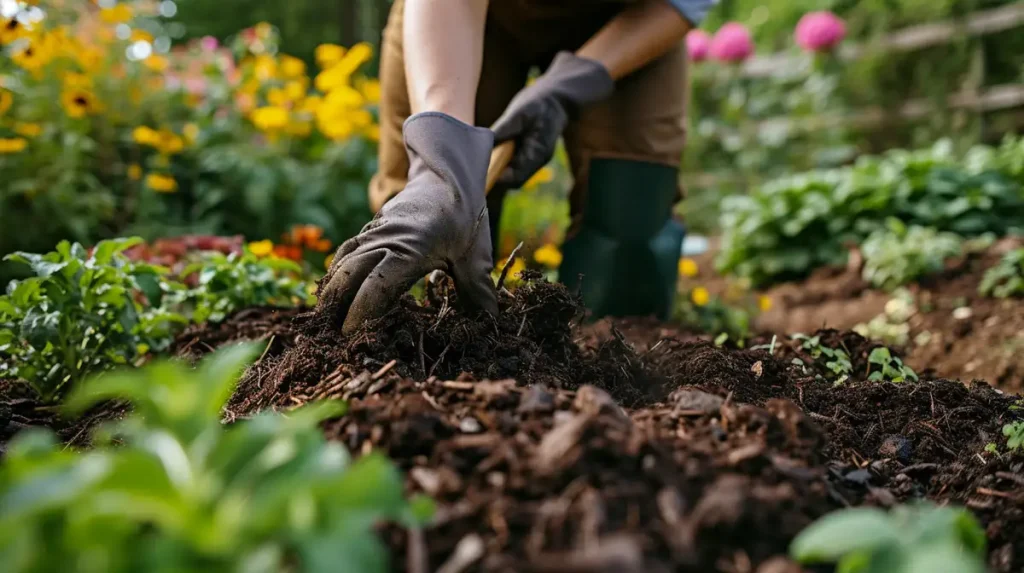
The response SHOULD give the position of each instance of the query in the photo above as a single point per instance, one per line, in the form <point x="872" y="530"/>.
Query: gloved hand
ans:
<point x="537" y="115"/>
<point x="439" y="221"/>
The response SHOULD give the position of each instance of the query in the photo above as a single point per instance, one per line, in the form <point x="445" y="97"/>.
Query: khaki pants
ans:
<point x="644" y="120"/>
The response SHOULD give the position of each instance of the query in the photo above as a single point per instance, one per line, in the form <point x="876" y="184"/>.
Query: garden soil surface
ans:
<point x="954" y="331"/>
<point x="619" y="447"/>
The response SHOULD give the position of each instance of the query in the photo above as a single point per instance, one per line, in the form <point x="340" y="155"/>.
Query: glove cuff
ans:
<point x="455" y="151"/>
<point x="577" y="80"/>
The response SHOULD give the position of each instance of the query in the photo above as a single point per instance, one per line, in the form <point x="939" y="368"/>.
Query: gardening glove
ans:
<point x="537" y="115"/>
<point x="439" y="221"/>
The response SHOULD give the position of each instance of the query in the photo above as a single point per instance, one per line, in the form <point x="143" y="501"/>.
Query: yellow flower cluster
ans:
<point x="165" y="141"/>
<point x="12" y="145"/>
<point x="277" y="97"/>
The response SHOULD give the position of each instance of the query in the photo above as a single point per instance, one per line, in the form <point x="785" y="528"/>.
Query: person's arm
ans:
<point x="444" y="53"/>
<point x="637" y="36"/>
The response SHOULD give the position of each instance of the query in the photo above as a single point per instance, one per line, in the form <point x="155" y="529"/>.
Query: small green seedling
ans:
<point x="836" y="360"/>
<point x="889" y="367"/>
<point x="1014" y="435"/>
<point x="1006" y="278"/>
<point x="908" y="539"/>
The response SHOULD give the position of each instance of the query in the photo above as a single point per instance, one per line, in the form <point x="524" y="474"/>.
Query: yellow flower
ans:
<point x="548" y="255"/>
<point x="144" y="135"/>
<point x="191" y="132"/>
<point x="295" y="90"/>
<point x="13" y="145"/>
<point x="261" y="248"/>
<point x="518" y="266"/>
<point x="6" y="100"/>
<point x="156" y="63"/>
<point x="372" y="133"/>
<point x="543" y="175"/>
<point x="700" y="296"/>
<point x="270" y="118"/>
<point x="117" y="14"/>
<point x="73" y="80"/>
<point x="265" y="68"/>
<point x="299" y="128"/>
<point x="141" y="36"/>
<point x="328" y="260"/>
<point x="35" y="55"/>
<point x="292" y="67"/>
<point x="169" y="143"/>
<point x="329" y="54"/>
<point x="277" y="97"/>
<point x="688" y="267"/>
<point x="263" y="30"/>
<point x="134" y="172"/>
<point x="764" y="303"/>
<point x="370" y="88"/>
<point x="161" y="183"/>
<point x="28" y="129"/>
<point x="79" y="102"/>
<point x="10" y="30"/>
<point x="311" y="104"/>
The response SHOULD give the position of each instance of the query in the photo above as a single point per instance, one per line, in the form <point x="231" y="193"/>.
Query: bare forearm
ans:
<point x="637" y="36"/>
<point x="443" y="70"/>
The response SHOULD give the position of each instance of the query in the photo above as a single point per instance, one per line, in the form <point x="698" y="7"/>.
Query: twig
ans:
<point x="508" y="265"/>
<point x="384" y="370"/>
<point x="266" y="350"/>
<point x="423" y="356"/>
<point x="994" y="492"/>
<point x="417" y="555"/>
<point x="439" y="359"/>
<point x="1015" y="478"/>
<point x="522" y="325"/>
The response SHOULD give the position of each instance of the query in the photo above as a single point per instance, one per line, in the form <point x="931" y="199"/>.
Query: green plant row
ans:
<point x="85" y="311"/>
<point x="171" y="488"/>
<point x="1006" y="278"/>
<point x="790" y="226"/>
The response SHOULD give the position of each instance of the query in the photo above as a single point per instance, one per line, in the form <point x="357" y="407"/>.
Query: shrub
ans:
<point x="898" y="254"/>
<point x="1006" y="278"/>
<point x="919" y="537"/>
<point x="790" y="226"/>
<point x="171" y="488"/>
<point x="82" y="312"/>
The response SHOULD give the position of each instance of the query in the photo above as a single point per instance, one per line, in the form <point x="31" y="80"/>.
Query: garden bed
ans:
<point x="546" y="454"/>
<point x="953" y="330"/>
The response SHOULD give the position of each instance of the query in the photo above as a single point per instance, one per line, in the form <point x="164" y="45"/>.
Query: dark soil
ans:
<point x="984" y="342"/>
<point x="20" y="410"/>
<point x="551" y="448"/>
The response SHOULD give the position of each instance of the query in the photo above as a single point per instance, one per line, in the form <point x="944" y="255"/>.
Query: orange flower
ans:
<point x="288" y="252"/>
<point x="306" y="235"/>
<point x="321" y="246"/>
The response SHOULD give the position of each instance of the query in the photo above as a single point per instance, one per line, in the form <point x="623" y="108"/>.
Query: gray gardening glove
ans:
<point x="537" y="115"/>
<point x="439" y="221"/>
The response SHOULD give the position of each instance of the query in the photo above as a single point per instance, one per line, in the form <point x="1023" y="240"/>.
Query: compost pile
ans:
<point x="554" y="447"/>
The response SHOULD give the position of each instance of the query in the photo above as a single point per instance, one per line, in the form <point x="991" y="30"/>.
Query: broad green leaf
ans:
<point x="52" y="487"/>
<point x="942" y="557"/>
<point x="843" y="532"/>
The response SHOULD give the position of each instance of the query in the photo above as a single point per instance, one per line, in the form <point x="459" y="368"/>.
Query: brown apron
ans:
<point x="644" y="120"/>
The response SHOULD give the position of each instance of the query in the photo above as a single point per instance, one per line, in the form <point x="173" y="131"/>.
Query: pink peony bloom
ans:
<point x="819" y="31"/>
<point x="209" y="43"/>
<point x="697" y="44"/>
<point x="731" y="43"/>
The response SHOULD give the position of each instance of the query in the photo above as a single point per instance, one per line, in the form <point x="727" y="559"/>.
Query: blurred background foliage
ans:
<point x="236" y="177"/>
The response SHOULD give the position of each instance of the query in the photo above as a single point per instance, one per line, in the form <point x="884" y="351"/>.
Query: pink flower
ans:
<point x="209" y="43"/>
<point x="731" y="43"/>
<point x="819" y="31"/>
<point x="697" y="44"/>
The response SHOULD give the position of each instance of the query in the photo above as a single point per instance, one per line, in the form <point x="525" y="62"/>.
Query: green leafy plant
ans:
<point x="908" y="539"/>
<point x="898" y="254"/>
<point x="790" y="226"/>
<point x="1006" y="278"/>
<point x="171" y="488"/>
<point x="81" y="312"/>
<point x="226" y="283"/>
<point x="836" y="360"/>
<point x="890" y="368"/>
<point x="891" y="327"/>
<point x="1014" y="435"/>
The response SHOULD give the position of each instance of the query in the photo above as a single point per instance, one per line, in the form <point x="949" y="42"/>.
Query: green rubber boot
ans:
<point x="628" y="245"/>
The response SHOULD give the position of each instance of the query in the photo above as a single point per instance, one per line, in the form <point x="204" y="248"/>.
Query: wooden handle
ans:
<point x="500" y="157"/>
